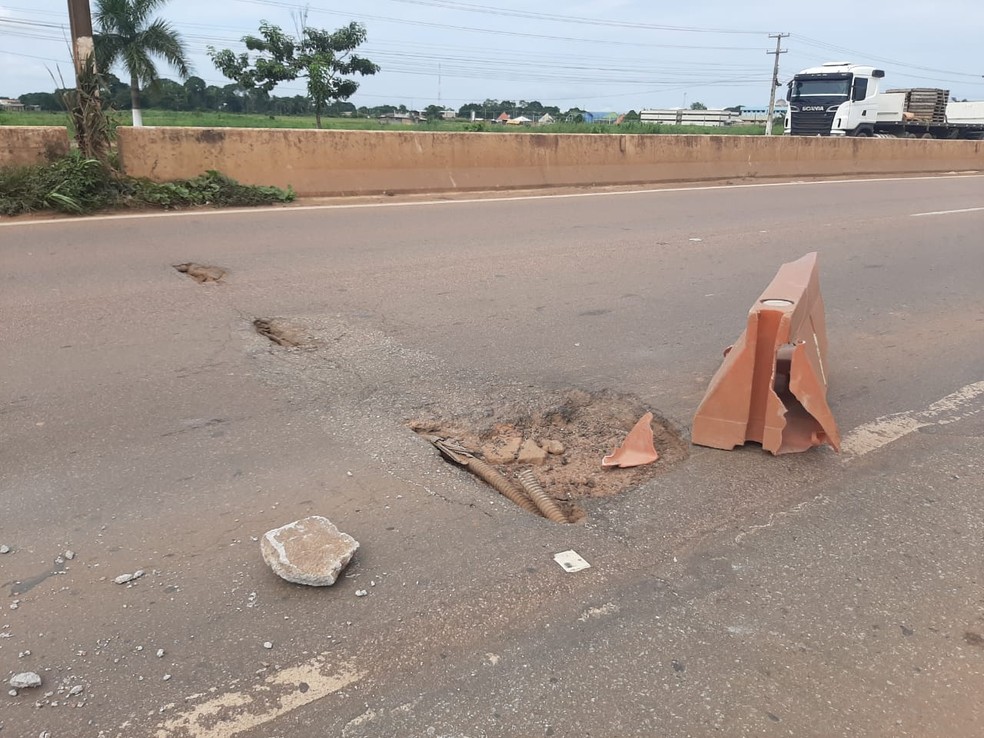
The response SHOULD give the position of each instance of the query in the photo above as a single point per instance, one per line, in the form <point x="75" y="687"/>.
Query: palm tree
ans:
<point x="126" y="34"/>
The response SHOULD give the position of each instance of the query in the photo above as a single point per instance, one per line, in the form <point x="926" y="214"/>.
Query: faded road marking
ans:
<point x="947" y="212"/>
<point x="75" y="222"/>
<point x="230" y="714"/>
<point x="961" y="404"/>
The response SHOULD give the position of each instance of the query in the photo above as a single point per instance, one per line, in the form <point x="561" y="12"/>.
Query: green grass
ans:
<point x="250" y="120"/>
<point x="77" y="185"/>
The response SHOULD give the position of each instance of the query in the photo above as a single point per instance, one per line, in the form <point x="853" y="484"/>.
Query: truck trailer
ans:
<point x="844" y="99"/>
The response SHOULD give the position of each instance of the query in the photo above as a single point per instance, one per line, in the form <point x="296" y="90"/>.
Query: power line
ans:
<point x="491" y="31"/>
<point x="553" y="17"/>
<point x="867" y="56"/>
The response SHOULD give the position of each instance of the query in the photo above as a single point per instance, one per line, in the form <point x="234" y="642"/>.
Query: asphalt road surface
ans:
<point x="144" y="424"/>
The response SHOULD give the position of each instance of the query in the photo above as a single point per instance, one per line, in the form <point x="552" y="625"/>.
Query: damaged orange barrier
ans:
<point x="637" y="448"/>
<point x="772" y="386"/>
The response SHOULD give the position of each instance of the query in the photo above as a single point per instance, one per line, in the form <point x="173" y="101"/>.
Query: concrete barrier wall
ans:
<point x="360" y="162"/>
<point x="21" y="145"/>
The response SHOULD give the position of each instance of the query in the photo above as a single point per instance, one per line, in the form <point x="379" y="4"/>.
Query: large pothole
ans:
<point x="562" y="444"/>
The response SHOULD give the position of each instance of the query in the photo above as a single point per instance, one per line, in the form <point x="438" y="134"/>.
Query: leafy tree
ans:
<point x="466" y="110"/>
<point x="631" y="116"/>
<point x="434" y="112"/>
<point x="195" y="93"/>
<point x="698" y="106"/>
<point x="321" y="57"/>
<point x="166" y="94"/>
<point x="44" y="100"/>
<point x="127" y="35"/>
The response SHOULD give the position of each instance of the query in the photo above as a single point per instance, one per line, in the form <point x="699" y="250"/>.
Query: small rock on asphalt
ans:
<point x="160" y="653"/>
<point x="502" y="451"/>
<point x="70" y="554"/>
<point x="309" y="551"/>
<point x="4" y="549"/>
<point x="267" y="645"/>
<point x="76" y="690"/>
<point x="554" y="447"/>
<point x="124" y="578"/>
<point x="531" y="453"/>
<point x="25" y="680"/>
<point x="360" y="593"/>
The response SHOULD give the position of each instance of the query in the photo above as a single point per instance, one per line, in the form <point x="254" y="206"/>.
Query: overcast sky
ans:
<point x="604" y="55"/>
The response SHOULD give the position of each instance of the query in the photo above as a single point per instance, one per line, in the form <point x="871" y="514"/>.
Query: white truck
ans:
<point x="844" y="99"/>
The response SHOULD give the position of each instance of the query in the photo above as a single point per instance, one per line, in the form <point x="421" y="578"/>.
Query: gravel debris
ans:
<point x="160" y="653"/>
<point x="25" y="680"/>
<point x="69" y="554"/>
<point x="267" y="645"/>
<point x="125" y="578"/>
<point x="4" y="549"/>
<point x="361" y="593"/>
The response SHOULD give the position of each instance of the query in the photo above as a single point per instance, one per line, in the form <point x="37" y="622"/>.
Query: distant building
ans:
<point x="685" y="117"/>
<point x="602" y="117"/>
<point x="546" y="119"/>
<point x="401" y="119"/>
<point x="761" y="114"/>
<point x="503" y="118"/>
<point x="449" y="114"/>
<point x="10" y="105"/>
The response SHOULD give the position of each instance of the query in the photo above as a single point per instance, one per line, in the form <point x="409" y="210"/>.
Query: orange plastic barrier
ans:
<point x="772" y="386"/>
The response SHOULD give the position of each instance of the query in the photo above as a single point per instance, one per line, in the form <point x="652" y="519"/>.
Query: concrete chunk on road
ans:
<point x="309" y="551"/>
<point x="25" y="680"/>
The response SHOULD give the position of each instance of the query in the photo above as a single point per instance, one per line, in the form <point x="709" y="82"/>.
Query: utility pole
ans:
<point x="775" y="79"/>
<point x="80" y="22"/>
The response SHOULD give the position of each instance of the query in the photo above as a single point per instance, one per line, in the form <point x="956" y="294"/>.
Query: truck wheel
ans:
<point x="927" y="135"/>
<point x="863" y="133"/>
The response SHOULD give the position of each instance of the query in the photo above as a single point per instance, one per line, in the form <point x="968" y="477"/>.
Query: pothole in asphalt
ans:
<point x="201" y="273"/>
<point x="283" y="332"/>
<point x="560" y="446"/>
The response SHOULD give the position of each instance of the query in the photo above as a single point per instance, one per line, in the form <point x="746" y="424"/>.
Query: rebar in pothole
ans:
<point x="546" y="505"/>
<point x="501" y="484"/>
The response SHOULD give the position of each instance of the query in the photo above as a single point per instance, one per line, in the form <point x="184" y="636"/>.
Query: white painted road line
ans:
<point x="234" y="712"/>
<point x="947" y="212"/>
<point x="654" y="190"/>
<point x="963" y="403"/>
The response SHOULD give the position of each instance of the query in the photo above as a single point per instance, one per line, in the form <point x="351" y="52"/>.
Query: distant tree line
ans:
<point x="194" y="94"/>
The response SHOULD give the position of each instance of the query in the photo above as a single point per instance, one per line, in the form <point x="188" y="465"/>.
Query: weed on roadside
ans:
<point x="77" y="185"/>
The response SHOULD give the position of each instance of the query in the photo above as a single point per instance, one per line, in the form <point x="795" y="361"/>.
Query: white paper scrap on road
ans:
<point x="571" y="561"/>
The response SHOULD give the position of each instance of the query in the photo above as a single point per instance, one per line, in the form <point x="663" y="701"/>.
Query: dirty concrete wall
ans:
<point x="354" y="162"/>
<point x="20" y="145"/>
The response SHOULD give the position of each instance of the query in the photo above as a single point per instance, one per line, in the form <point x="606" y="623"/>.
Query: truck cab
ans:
<point x="836" y="99"/>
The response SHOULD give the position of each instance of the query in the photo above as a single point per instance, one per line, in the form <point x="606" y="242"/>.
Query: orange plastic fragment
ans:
<point x="772" y="386"/>
<point x="637" y="448"/>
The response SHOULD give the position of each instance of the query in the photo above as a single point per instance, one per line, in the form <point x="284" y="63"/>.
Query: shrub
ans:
<point x="76" y="184"/>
